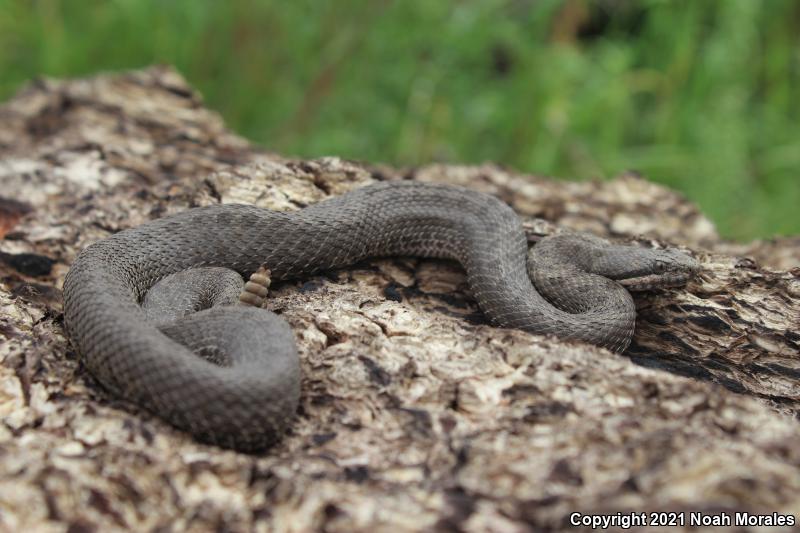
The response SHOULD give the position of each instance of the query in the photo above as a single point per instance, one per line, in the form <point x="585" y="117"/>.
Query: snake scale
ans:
<point x="229" y="374"/>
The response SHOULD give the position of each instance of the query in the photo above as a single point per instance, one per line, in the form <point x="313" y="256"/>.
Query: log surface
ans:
<point x="415" y="413"/>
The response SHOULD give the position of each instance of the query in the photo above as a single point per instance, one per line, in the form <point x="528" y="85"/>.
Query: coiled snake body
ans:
<point x="230" y="375"/>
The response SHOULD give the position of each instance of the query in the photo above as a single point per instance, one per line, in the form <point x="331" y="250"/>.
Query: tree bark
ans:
<point x="415" y="413"/>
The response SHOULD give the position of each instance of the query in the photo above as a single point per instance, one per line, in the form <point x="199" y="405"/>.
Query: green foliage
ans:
<point x="700" y="95"/>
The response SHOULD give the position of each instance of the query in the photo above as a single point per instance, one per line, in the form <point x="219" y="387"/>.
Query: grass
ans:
<point x="702" y="96"/>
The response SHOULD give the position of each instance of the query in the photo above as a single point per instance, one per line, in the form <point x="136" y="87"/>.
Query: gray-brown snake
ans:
<point x="229" y="374"/>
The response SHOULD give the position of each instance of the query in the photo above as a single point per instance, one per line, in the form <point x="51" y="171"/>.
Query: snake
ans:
<point x="155" y="315"/>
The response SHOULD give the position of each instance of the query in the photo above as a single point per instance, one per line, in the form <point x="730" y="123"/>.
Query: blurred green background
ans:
<point x="700" y="95"/>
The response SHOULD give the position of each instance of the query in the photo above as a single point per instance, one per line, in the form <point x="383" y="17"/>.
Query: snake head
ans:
<point x="653" y="269"/>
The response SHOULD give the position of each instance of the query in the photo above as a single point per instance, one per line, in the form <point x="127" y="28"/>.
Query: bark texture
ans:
<point x="415" y="414"/>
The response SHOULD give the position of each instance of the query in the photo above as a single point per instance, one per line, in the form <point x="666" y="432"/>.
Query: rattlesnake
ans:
<point x="243" y="388"/>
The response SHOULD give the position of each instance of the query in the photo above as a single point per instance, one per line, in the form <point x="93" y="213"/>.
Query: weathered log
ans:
<point x="416" y="414"/>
